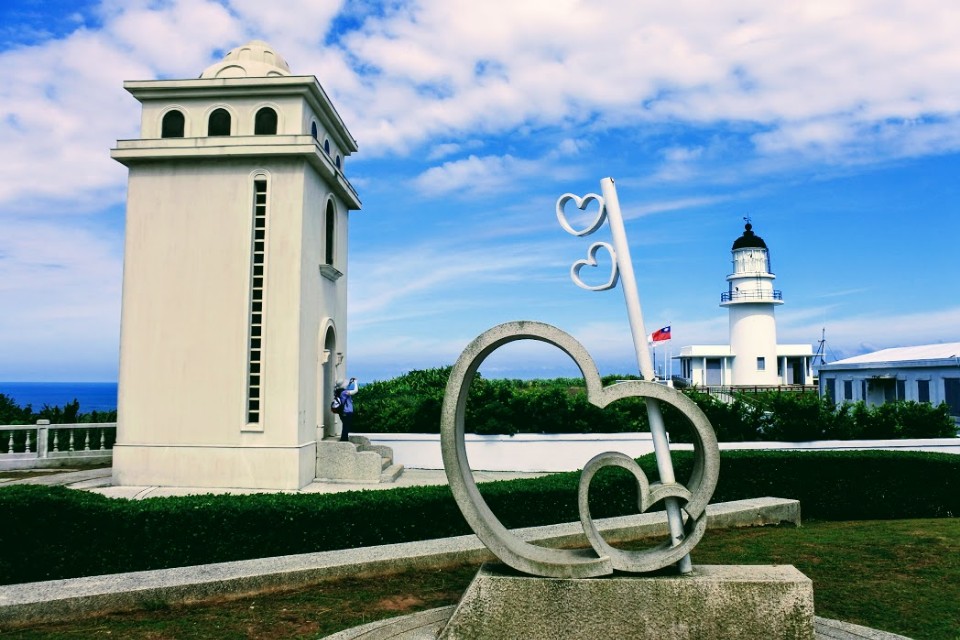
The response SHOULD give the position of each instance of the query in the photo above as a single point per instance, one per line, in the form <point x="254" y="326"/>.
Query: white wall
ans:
<point x="753" y="334"/>
<point x="543" y="452"/>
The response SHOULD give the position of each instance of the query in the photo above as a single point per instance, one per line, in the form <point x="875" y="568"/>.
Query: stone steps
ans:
<point x="355" y="461"/>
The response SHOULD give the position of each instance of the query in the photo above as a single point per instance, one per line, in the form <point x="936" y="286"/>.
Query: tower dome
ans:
<point x="256" y="59"/>
<point x="749" y="239"/>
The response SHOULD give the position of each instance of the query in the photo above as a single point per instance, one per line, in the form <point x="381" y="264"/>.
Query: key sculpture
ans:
<point x="685" y="504"/>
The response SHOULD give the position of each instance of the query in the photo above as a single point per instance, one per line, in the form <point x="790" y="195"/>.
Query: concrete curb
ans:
<point x="61" y="600"/>
<point x="427" y="625"/>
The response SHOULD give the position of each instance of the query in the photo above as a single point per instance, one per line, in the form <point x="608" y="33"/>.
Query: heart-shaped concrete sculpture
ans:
<point x="591" y="261"/>
<point x="602" y="559"/>
<point x="582" y="205"/>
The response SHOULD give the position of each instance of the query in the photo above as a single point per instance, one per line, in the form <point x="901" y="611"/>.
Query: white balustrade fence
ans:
<point x="46" y="445"/>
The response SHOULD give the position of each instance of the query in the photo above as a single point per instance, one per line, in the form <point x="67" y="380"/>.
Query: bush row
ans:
<point x="55" y="532"/>
<point x="12" y="413"/>
<point x="411" y="404"/>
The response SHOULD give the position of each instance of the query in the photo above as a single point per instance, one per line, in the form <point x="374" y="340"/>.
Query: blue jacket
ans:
<point x="346" y="397"/>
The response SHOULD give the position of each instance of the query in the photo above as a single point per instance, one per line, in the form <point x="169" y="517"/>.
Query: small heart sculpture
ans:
<point x="582" y="205"/>
<point x="591" y="261"/>
<point x="602" y="559"/>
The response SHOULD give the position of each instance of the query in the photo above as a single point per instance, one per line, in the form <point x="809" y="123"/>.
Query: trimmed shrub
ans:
<point x="54" y="532"/>
<point x="412" y="404"/>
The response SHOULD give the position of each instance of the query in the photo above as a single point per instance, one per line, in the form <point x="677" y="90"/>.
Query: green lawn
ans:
<point x="897" y="575"/>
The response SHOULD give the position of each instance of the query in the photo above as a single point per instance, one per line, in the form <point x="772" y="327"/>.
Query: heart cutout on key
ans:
<point x="591" y="261"/>
<point x="602" y="559"/>
<point x="582" y="204"/>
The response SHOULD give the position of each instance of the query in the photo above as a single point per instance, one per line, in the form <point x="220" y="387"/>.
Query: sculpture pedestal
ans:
<point x="714" y="601"/>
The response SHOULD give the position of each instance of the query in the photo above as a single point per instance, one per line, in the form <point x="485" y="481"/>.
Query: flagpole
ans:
<point x="661" y="445"/>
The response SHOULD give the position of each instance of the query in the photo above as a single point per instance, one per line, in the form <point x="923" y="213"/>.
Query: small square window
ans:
<point x="761" y="364"/>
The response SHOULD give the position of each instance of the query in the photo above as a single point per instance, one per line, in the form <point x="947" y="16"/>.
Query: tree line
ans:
<point x="12" y="413"/>
<point x="411" y="403"/>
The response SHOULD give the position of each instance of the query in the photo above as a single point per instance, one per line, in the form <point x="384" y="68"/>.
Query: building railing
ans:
<point x="751" y="296"/>
<point x="783" y="388"/>
<point x="51" y="445"/>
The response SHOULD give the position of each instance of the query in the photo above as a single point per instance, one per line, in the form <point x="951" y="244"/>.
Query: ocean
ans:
<point x="93" y="396"/>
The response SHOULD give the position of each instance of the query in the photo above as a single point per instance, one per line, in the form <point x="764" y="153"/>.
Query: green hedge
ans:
<point x="55" y="532"/>
<point x="411" y="403"/>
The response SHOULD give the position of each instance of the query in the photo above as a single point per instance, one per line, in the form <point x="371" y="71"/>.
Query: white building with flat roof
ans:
<point x="753" y="357"/>
<point x="924" y="373"/>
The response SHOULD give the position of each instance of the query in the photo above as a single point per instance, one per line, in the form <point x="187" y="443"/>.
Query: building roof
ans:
<point x="749" y="240"/>
<point x="705" y="350"/>
<point x="941" y="354"/>
<point x="256" y="59"/>
<point x="723" y="351"/>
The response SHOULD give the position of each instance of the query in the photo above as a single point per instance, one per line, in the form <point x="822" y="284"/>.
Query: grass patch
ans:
<point x="901" y="576"/>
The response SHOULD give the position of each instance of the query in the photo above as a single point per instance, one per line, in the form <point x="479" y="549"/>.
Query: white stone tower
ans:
<point x="750" y="298"/>
<point x="234" y="289"/>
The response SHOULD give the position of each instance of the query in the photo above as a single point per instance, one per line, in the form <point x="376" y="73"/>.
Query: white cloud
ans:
<point x="476" y="175"/>
<point x="840" y="82"/>
<point x="820" y="74"/>
<point x="412" y="280"/>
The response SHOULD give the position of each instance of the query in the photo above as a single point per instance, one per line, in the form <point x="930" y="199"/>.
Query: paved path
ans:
<point x="99" y="481"/>
<point x="61" y="477"/>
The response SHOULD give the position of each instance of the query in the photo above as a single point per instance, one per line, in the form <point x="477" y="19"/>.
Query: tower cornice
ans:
<point x="143" y="151"/>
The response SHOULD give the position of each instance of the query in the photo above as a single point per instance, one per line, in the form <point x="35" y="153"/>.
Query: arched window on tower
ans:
<point x="219" y="123"/>
<point x="313" y="130"/>
<point x="265" y="122"/>
<point x="338" y="163"/>
<point x="330" y="231"/>
<point x="326" y="146"/>
<point x="172" y="124"/>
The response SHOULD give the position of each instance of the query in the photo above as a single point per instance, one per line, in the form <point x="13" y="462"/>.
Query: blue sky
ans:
<point x="834" y="125"/>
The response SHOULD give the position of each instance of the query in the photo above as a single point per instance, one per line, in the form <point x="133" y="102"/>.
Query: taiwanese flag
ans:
<point x="660" y="335"/>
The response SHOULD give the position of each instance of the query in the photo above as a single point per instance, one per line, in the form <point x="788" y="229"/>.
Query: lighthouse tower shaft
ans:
<point x="751" y="300"/>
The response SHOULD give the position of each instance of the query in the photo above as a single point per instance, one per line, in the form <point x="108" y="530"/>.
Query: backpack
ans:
<point x="336" y="405"/>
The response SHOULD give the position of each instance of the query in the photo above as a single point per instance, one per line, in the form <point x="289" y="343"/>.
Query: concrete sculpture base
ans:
<point x="715" y="601"/>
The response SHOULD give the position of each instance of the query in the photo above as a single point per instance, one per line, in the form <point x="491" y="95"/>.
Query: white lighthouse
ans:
<point x="750" y="298"/>
<point x="234" y="288"/>
<point x="753" y="358"/>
